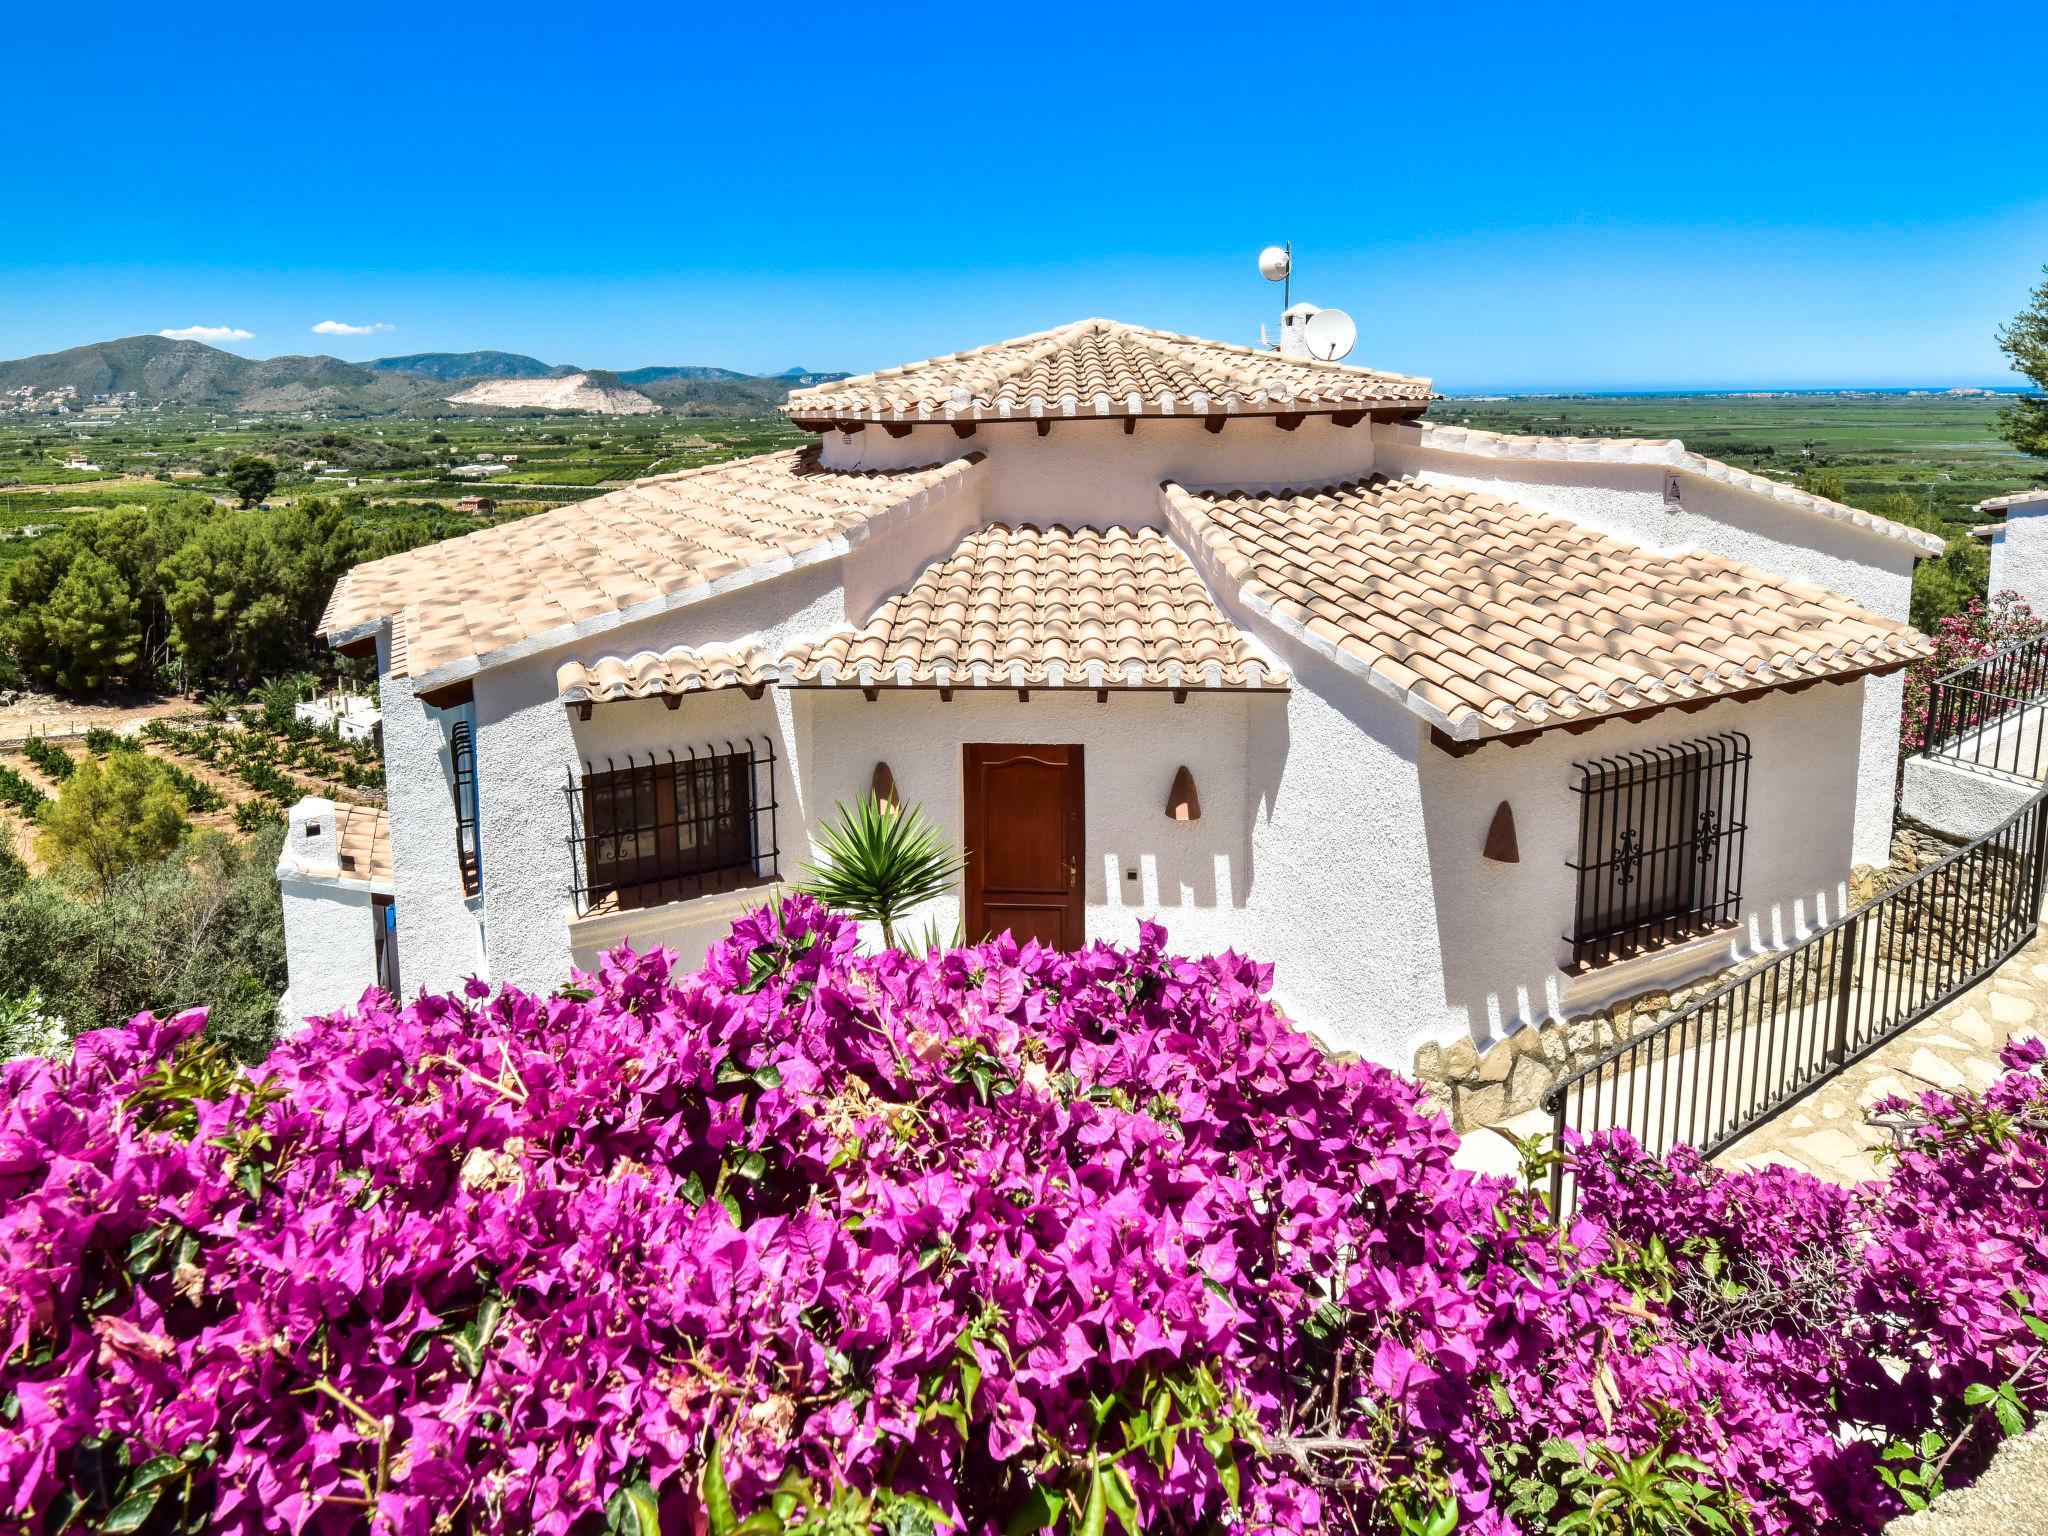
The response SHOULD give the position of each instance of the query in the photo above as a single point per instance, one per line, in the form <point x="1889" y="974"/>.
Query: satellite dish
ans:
<point x="1275" y="263"/>
<point x="1328" y="334"/>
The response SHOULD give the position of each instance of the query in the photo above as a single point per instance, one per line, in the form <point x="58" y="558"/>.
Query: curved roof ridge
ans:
<point x="1116" y="368"/>
<point x="1671" y="453"/>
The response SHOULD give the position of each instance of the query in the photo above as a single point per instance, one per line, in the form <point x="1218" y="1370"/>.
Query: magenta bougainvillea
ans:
<point x="995" y="1240"/>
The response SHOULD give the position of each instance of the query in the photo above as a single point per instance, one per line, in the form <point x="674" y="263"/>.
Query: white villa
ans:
<point x="2019" y="544"/>
<point x="1463" y="732"/>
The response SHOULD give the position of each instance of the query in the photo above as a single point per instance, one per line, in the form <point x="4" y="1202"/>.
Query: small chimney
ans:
<point x="1293" y="344"/>
<point x="312" y="842"/>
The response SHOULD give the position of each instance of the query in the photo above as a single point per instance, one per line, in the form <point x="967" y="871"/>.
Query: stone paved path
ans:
<point x="1825" y="1133"/>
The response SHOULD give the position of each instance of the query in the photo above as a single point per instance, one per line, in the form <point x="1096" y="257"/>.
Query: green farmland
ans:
<point x="1940" y="450"/>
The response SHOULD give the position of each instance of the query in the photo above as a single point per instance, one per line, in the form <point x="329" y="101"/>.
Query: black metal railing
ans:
<point x="462" y="771"/>
<point x="1660" y="846"/>
<point x="1712" y="1072"/>
<point x="672" y="827"/>
<point x="1990" y="713"/>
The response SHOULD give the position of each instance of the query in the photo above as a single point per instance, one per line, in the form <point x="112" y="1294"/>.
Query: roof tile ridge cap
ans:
<point x="1827" y="506"/>
<point x="1244" y="349"/>
<point x="898" y="370"/>
<point x="687" y="472"/>
<point x="1672" y="452"/>
<point x="1554" y="447"/>
<point x="1032" y="350"/>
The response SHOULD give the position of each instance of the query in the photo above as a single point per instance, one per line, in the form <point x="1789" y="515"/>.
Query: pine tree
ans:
<point x="91" y="634"/>
<point x="2024" y="423"/>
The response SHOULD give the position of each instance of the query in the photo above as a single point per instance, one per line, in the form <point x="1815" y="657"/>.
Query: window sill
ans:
<point x="1672" y="964"/>
<point x="610" y="924"/>
<point x="1649" y="949"/>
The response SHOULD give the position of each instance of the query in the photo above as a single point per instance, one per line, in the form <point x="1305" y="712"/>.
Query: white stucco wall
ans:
<point x="1504" y="929"/>
<point x="1089" y="471"/>
<point x="2019" y="555"/>
<point x="440" y="931"/>
<point x="330" y="940"/>
<point x="1627" y="501"/>
<point x="330" y="933"/>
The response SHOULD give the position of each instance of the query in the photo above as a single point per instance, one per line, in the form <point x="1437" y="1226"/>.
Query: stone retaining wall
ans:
<point x="1478" y="1088"/>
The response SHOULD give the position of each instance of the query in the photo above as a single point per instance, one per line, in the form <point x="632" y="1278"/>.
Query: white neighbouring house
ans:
<point x="2019" y="544"/>
<point x="1463" y="732"/>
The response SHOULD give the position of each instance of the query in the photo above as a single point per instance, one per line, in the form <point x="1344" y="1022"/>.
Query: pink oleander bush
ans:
<point x="1986" y="625"/>
<point x="993" y="1240"/>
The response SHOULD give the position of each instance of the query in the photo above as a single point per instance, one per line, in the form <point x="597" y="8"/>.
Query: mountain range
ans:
<point x="191" y="375"/>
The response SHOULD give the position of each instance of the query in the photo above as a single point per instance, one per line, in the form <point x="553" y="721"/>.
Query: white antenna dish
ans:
<point x="1275" y="262"/>
<point x="1329" y="335"/>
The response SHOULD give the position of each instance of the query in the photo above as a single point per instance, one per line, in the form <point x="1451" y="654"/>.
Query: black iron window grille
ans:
<point x="1660" y="846"/>
<point x="462" y="769"/>
<point x="671" y="828"/>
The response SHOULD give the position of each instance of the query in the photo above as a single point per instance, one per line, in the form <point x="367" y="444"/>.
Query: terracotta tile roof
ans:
<point x="1008" y="608"/>
<point x="1103" y="368"/>
<point x="650" y="674"/>
<point x="1667" y="452"/>
<point x="1048" y="607"/>
<point x="1487" y="618"/>
<point x="363" y="839"/>
<point x="583" y="568"/>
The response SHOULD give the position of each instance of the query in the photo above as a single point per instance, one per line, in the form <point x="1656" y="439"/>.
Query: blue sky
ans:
<point x="1503" y="196"/>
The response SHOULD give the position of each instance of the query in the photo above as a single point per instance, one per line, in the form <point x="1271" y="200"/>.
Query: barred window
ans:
<point x="462" y="766"/>
<point x="1660" y="846"/>
<point x="673" y="828"/>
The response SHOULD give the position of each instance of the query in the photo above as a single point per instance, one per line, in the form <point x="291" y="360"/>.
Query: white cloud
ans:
<point x="343" y="328"/>
<point x="208" y="333"/>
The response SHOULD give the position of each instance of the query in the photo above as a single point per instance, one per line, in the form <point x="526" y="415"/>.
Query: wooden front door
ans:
<point x="1023" y="834"/>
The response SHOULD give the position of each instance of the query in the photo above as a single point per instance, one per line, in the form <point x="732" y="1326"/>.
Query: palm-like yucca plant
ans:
<point x="879" y="862"/>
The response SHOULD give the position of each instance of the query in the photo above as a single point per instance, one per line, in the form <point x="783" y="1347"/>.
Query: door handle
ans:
<point x="1072" y="876"/>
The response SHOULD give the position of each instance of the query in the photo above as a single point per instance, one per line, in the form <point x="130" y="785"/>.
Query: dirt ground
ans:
<point x="29" y="713"/>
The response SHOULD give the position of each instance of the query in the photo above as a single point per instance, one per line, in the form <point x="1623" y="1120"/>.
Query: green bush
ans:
<point x="114" y="813"/>
<point x="56" y="764"/>
<point x="202" y="926"/>
<point x="20" y="793"/>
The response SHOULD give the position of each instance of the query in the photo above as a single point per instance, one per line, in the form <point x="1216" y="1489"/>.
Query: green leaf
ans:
<point x="2037" y="1326"/>
<point x="693" y="1190"/>
<point x="1039" y="1511"/>
<point x="769" y="1076"/>
<point x="717" y="1497"/>
<point x="1976" y="1394"/>
<point x="970" y="1379"/>
<point x="633" y="1512"/>
<point x="1093" y="1510"/>
<point x="1226" y="1473"/>
<point x="1122" y="1500"/>
<point x="731" y="1202"/>
<point x="575" y="994"/>
<point x="2010" y="1419"/>
<point x="152" y="1472"/>
<point x="129" y="1514"/>
<point x="751" y="1167"/>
